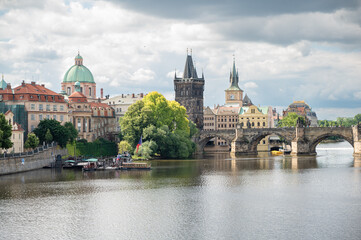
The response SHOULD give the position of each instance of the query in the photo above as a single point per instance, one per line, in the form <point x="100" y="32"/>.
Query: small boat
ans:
<point x="69" y="164"/>
<point x="135" y="166"/>
<point x="91" y="164"/>
<point x="275" y="152"/>
<point x="285" y="151"/>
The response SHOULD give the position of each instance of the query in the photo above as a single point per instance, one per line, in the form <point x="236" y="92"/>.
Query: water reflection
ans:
<point x="217" y="196"/>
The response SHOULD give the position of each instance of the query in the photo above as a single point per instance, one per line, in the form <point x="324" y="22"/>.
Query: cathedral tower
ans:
<point x="189" y="92"/>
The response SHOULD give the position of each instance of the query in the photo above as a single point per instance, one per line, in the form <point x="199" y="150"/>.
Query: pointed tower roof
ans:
<point x="3" y="84"/>
<point x="233" y="78"/>
<point x="189" y="69"/>
<point x="247" y="101"/>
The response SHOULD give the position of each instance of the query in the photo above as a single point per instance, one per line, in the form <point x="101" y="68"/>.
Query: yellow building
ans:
<point x="257" y="117"/>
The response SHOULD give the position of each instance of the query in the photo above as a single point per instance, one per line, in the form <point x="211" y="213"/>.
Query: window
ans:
<point x="32" y="106"/>
<point x="90" y="91"/>
<point x="47" y="107"/>
<point x="40" y="117"/>
<point x="68" y="91"/>
<point x="55" y="108"/>
<point x="32" y="117"/>
<point x="40" y="107"/>
<point x="32" y="127"/>
<point x="61" y="118"/>
<point x="253" y="110"/>
<point x="258" y="124"/>
<point x="47" y="116"/>
<point x="54" y="117"/>
<point x="61" y="107"/>
<point x="264" y="124"/>
<point x="79" y="124"/>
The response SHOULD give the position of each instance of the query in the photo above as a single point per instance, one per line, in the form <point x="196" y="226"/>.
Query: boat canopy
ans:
<point x="91" y="160"/>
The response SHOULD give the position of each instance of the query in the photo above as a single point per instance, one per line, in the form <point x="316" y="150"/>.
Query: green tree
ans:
<point x="161" y="121"/>
<point x="5" y="133"/>
<point x="32" y="141"/>
<point x="357" y="118"/>
<point x="48" y="136"/>
<point x="60" y="133"/>
<point x="73" y="133"/>
<point x="291" y="120"/>
<point x="124" y="146"/>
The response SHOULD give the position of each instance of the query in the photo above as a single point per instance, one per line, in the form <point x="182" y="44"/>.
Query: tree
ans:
<point x="73" y="133"/>
<point x="124" y="146"/>
<point x="32" y="141"/>
<point x="5" y="133"/>
<point x="161" y="121"/>
<point x="48" y="136"/>
<point x="291" y="120"/>
<point x="60" y="133"/>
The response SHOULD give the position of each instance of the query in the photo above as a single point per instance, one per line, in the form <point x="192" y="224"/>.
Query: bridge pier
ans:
<point x="300" y="146"/>
<point x="356" y="132"/>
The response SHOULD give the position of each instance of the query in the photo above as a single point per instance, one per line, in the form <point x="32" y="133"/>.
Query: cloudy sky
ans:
<point x="284" y="50"/>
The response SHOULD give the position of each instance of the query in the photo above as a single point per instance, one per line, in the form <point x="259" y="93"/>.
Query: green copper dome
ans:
<point x="78" y="72"/>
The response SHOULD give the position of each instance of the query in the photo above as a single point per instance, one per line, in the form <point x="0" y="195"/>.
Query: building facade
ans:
<point x="39" y="102"/>
<point x="92" y="119"/>
<point x="189" y="92"/>
<point x="303" y="109"/>
<point x="121" y="103"/>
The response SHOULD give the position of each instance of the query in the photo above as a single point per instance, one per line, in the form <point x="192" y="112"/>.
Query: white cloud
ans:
<point x="306" y="55"/>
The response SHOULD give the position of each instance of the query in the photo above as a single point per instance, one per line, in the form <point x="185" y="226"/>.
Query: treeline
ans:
<point x="341" y="122"/>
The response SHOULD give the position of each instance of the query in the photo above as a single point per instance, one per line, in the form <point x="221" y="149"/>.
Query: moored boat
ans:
<point x="135" y="166"/>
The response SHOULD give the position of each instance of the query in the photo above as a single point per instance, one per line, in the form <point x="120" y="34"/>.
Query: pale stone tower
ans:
<point x="189" y="92"/>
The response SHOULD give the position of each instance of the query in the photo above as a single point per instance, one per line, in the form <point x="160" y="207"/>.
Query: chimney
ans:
<point x="122" y="95"/>
<point x="8" y="86"/>
<point x="33" y="83"/>
<point x="43" y="85"/>
<point x="101" y="93"/>
<point x="141" y="95"/>
<point x="23" y="83"/>
<point x="133" y="95"/>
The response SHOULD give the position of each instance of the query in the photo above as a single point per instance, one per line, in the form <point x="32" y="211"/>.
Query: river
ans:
<point x="213" y="197"/>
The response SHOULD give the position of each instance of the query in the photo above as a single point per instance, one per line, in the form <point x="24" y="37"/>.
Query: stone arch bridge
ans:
<point x="302" y="139"/>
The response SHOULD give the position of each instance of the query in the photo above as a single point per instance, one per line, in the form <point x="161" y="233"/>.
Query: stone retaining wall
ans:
<point x="33" y="161"/>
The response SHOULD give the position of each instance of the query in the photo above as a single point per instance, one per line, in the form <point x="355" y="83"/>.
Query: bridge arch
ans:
<point x="206" y="136"/>
<point x="256" y="139"/>
<point x="317" y="140"/>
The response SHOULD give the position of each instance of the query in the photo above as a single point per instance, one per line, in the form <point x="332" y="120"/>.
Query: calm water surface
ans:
<point x="215" y="197"/>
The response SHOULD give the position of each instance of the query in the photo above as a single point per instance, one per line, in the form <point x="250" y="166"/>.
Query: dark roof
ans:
<point x="247" y="101"/>
<point x="189" y="70"/>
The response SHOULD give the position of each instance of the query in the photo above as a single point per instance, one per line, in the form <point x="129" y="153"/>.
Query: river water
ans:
<point x="214" y="197"/>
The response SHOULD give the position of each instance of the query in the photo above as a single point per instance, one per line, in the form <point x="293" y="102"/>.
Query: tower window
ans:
<point x="90" y="91"/>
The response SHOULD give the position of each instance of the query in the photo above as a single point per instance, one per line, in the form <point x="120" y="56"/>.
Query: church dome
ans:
<point x="78" y="72"/>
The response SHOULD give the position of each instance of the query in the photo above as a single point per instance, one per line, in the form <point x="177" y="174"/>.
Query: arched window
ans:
<point x="90" y="91"/>
<point x="258" y="124"/>
<point x="68" y="91"/>
<point x="253" y="124"/>
<point x="264" y="124"/>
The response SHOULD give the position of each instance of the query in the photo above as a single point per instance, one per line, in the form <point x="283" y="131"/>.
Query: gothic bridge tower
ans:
<point x="189" y="92"/>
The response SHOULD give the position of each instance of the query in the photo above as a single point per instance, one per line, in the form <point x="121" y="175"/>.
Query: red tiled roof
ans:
<point x="77" y="97"/>
<point x="95" y="104"/>
<point x="7" y="112"/>
<point x="34" y="89"/>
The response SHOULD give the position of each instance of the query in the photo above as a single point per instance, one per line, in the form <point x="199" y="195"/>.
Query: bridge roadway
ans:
<point x="303" y="140"/>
